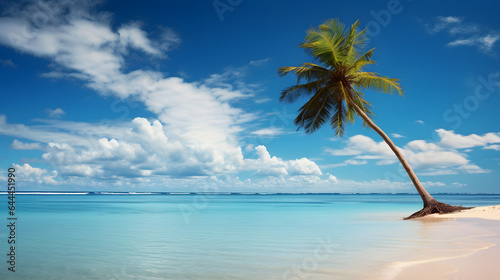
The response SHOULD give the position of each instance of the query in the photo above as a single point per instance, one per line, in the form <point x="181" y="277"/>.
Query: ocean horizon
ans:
<point x="233" y="193"/>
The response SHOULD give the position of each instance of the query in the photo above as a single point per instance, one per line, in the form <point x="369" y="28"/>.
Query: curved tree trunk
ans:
<point x="431" y="205"/>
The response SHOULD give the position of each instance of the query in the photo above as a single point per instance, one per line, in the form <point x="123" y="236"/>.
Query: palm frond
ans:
<point x="292" y="93"/>
<point x="361" y="38"/>
<point x="364" y="105"/>
<point x="362" y="61"/>
<point x="348" y="51"/>
<point x="308" y="72"/>
<point x="323" y="45"/>
<point x="334" y="26"/>
<point x="314" y="112"/>
<point x="367" y="80"/>
<point x="339" y="119"/>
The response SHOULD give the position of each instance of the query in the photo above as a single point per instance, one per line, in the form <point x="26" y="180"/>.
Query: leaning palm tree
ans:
<point x="334" y="85"/>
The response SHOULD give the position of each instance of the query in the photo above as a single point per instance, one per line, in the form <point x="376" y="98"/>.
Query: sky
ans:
<point x="184" y="96"/>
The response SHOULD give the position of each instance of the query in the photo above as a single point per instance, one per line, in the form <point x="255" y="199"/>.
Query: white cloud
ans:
<point x="27" y="170"/>
<point x="259" y="62"/>
<point x="262" y="100"/>
<point x="465" y="33"/>
<point x="18" y="145"/>
<point x="249" y="147"/>
<point x="230" y="85"/>
<point x="345" y="163"/>
<point x="395" y="135"/>
<point x="484" y="43"/>
<point x="81" y="170"/>
<point x="420" y="121"/>
<point x="492" y="147"/>
<point x="267" y="165"/>
<point x="42" y="134"/>
<point x="355" y="162"/>
<point x="303" y="166"/>
<point x="440" y="158"/>
<point x="37" y="175"/>
<point x="269" y="132"/>
<point x="141" y="148"/>
<point x="274" y="166"/>
<point x="129" y="149"/>
<point x="450" y="19"/>
<point x="435" y="159"/>
<point x="131" y="35"/>
<point x="323" y="183"/>
<point x="442" y="23"/>
<point x="472" y="169"/>
<point x="200" y="123"/>
<point x="168" y="39"/>
<point x="456" y="141"/>
<point x="332" y="178"/>
<point x="421" y="145"/>
<point x="359" y="144"/>
<point x="55" y="113"/>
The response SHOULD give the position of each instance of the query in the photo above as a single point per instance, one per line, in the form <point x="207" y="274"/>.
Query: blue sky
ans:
<point x="183" y="96"/>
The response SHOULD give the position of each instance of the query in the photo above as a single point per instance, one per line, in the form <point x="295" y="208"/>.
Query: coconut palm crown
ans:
<point x="334" y="84"/>
<point x="337" y="82"/>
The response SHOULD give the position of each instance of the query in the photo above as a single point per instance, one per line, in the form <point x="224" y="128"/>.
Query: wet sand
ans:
<point x="462" y="245"/>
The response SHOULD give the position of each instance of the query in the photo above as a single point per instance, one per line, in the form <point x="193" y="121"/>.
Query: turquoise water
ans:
<point x="212" y="236"/>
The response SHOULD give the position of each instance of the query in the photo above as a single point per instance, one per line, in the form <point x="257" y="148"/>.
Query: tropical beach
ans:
<point x="242" y="140"/>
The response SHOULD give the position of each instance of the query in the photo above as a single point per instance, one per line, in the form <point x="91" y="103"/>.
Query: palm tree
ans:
<point x="334" y="86"/>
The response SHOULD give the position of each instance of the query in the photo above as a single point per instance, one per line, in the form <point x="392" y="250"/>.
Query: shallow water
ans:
<point x="221" y="236"/>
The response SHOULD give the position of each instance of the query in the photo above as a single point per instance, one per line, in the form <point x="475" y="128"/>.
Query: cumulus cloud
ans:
<point x="359" y="145"/>
<point x="303" y="166"/>
<point x="141" y="149"/>
<point x="28" y="173"/>
<point x="492" y="147"/>
<point x="198" y="127"/>
<point x="444" y="157"/>
<point x="456" y="141"/>
<point x="267" y="165"/>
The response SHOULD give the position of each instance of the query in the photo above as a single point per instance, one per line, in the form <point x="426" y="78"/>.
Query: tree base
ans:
<point x="436" y="207"/>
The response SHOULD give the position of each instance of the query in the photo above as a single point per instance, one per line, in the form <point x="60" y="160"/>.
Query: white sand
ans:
<point x="486" y="212"/>
<point x="472" y="257"/>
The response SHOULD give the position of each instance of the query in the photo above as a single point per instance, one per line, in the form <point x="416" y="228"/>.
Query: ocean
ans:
<point x="223" y="236"/>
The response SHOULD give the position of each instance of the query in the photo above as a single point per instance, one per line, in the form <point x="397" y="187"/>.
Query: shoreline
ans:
<point x="460" y="245"/>
<point x="483" y="212"/>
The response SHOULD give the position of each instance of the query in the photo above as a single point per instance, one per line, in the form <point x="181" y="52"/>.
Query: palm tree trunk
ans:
<point x="426" y="197"/>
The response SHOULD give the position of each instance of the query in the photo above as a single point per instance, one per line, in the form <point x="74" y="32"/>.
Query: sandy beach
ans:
<point x="485" y="212"/>
<point x="462" y="245"/>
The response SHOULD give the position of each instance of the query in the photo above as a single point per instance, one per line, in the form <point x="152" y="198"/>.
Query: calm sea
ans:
<point x="120" y="236"/>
